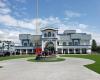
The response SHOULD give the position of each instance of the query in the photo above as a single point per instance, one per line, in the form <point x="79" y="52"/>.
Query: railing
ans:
<point x="73" y="46"/>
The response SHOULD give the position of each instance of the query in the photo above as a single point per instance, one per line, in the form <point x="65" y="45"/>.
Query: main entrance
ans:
<point x="49" y="47"/>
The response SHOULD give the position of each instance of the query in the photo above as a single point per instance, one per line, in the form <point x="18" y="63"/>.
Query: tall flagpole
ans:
<point x="37" y="16"/>
<point x="36" y="22"/>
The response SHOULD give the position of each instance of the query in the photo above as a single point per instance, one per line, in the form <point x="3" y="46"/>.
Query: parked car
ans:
<point x="1" y="53"/>
<point x="4" y="53"/>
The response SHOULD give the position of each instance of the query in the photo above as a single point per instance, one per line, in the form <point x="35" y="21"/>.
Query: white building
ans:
<point x="7" y="46"/>
<point x="69" y="42"/>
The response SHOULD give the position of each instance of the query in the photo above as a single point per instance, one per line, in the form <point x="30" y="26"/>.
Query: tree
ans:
<point x="94" y="45"/>
<point x="98" y="49"/>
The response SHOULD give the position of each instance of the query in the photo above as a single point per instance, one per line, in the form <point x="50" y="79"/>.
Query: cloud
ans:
<point x="30" y="24"/>
<point x="11" y="21"/>
<point x="50" y="21"/>
<point x="71" y="14"/>
<point x="9" y="35"/>
<point x="4" y="8"/>
<point x="83" y="26"/>
<point x="2" y="4"/>
<point x="21" y="1"/>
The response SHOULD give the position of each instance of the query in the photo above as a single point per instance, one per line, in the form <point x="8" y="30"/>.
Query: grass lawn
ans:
<point x="95" y="67"/>
<point x="15" y="57"/>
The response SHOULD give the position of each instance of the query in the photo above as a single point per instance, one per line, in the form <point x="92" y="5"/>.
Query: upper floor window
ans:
<point x="53" y="35"/>
<point x="70" y="43"/>
<point x="58" y="43"/>
<point x="49" y="34"/>
<point x="25" y="44"/>
<point x="31" y="44"/>
<point x="76" y="43"/>
<point x="45" y="35"/>
<point x="64" y="43"/>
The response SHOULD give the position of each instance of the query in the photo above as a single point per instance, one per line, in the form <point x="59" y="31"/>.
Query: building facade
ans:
<point x="7" y="46"/>
<point x="69" y="42"/>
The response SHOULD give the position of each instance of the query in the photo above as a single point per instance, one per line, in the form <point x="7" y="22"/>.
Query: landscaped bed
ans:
<point x="47" y="60"/>
<point x="95" y="67"/>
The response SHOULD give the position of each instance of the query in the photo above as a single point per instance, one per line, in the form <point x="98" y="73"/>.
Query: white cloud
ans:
<point x="9" y="35"/>
<point x="21" y="1"/>
<point x="72" y="14"/>
<point x="8" y="20"/>
<point x="13" y="35"/>
<point x="11" y="21"/>
<point x="78" y="30"/>
<point x="2" y="4"/>
<point x="4" y="8"/>
<point x="83" y="26"/>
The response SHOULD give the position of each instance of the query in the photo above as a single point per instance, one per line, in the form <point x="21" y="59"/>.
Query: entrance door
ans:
<point x="49" y="47"/>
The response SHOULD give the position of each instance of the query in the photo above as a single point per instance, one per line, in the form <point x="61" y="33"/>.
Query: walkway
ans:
<point x="71" y="69"/>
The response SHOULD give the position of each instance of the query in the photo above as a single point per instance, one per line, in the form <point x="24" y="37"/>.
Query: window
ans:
<point x="64" y="43"/>
<point x="58" y="43"/>
<point x="76" y="43"/>
<point x="31" y="44"/>
<point x="53" y="35"/>
<point x="25" y="44"/>
<point x="70" y="43"/>
<point x="45" y="35"/>
<point x="49" y="34"/>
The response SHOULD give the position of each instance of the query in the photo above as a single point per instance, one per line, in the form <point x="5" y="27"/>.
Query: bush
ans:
<point x="98" y="49"/>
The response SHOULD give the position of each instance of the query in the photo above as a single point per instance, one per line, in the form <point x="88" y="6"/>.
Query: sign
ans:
<point x="38" y="50"/>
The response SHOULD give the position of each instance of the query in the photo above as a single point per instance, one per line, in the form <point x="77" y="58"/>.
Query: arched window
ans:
<point x="49" y="34"/>
<point x="25" y="44"/>
<point x="45" y="35"/>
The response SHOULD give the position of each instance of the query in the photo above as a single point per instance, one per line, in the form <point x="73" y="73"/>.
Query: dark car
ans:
<point x="4" y="53"/>
<point x="1" y="53"/>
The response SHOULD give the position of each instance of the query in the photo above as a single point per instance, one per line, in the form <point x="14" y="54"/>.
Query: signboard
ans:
<point x="38" y="51"/>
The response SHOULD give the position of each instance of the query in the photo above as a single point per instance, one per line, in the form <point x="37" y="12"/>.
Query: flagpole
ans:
<point x="37" y="15"/>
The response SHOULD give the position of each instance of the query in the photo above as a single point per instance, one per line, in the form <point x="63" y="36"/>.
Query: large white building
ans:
<point x="7" y="46"/>
<point x="69" y="42"/>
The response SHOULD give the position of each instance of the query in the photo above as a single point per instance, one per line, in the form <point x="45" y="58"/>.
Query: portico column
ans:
<point x="26" y="51"/>
<point x="20" y="52"/>
<point x="62" y="51"/>
<point x="42" y="45"/>
<point x="68" y="51"/>
<point x="89" y="51"/>
<point x="80" y="51"/>
<point x="56" y="45"/>
<point x="32" y="50"/>
<point x="74" y="51"/>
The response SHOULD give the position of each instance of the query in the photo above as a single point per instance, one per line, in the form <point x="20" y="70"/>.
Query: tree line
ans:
<point x="95" y="47"/>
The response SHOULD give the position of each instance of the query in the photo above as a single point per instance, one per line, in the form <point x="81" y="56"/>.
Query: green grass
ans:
<point x="15" y="57"/>
<point x="95" y="66"/>
<point x="47" y="60"/>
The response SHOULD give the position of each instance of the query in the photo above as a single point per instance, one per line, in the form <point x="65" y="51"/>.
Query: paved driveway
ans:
<point x="71" y="69"/>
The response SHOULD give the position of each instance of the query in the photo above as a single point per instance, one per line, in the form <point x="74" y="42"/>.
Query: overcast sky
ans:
<point x="19" y="16"/>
